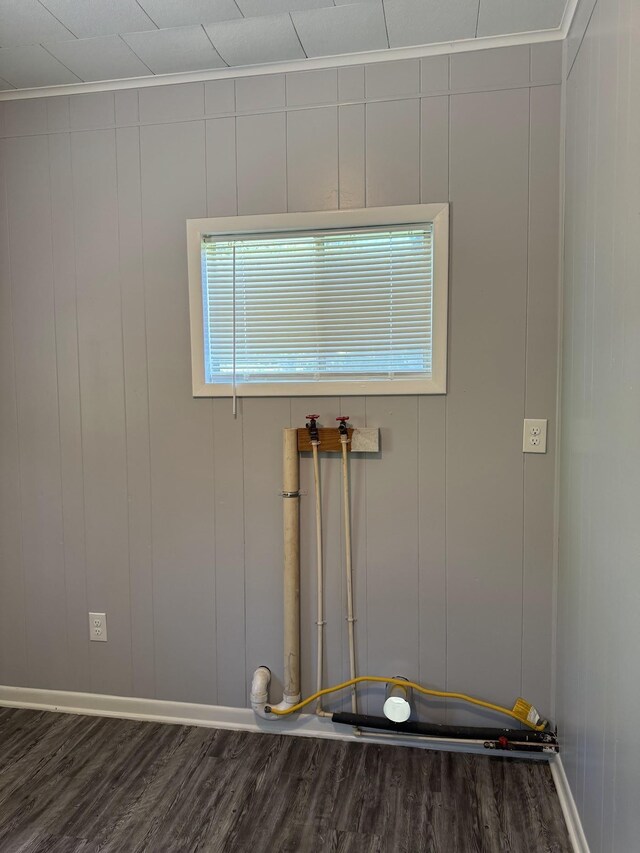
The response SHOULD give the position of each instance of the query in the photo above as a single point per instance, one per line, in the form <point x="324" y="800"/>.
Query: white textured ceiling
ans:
<point x="52" y="42"/>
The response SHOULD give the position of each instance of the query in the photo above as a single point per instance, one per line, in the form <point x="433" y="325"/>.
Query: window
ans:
<point x="346" y="302"/>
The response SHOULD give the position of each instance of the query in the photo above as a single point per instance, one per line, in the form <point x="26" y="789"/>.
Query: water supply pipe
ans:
<point x="314" y="438"/>
<point x="291" y="522"/>
<point x="346" y="511"/>
<point x="493" y="737"/>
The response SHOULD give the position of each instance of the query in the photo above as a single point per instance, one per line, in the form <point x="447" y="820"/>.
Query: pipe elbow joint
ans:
<point x="260" y="686"/>
<point x="260" y="710"/>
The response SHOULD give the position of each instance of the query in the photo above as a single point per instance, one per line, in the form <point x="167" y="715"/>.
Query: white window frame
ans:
<point x="413" y="214"/>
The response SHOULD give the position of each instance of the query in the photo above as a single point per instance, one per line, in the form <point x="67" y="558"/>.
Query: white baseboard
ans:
<point x="213" y="716"/>
<point x="569" y="808"/>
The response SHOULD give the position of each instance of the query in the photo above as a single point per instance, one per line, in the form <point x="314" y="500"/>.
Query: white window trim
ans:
<point x="437" y="213"/>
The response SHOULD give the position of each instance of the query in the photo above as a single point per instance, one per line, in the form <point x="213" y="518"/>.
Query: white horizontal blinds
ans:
<point x="319" y="306"/>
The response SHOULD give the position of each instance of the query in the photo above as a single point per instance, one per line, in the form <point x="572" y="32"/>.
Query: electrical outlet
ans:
<point x="98" y="627"/>
<point x="534" y="438"/>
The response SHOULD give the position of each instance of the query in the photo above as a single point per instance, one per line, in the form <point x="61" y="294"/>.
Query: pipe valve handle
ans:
<point x="342" y="429"/>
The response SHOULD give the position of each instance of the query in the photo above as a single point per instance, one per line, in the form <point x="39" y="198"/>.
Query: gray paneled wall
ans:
<point x="599" y="581"/>
<point x="120" y="492"/>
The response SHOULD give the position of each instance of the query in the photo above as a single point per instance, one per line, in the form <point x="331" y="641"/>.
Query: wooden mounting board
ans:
<point x="329" y="440"/>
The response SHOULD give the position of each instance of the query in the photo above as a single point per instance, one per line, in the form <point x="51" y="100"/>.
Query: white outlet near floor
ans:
<point x="98" y="627"/>
<point x="534" y="437"/>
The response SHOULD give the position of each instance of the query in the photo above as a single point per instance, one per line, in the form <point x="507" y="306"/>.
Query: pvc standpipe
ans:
<point x="291" y="516"/>
<point x="397" y="707"/>
<point x="291" y="526"/>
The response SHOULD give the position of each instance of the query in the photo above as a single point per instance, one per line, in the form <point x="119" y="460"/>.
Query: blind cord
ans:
<point x="233" y="367"/>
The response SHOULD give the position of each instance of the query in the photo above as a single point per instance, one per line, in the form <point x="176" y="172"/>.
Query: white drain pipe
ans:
<point x="346" y="511"/>
<point x="291" y="514"/>
<point x="320" y="621"/>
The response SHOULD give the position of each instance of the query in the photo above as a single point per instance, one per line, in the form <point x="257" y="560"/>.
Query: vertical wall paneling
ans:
<point x="25" y="117"/>
<point x="181" y="427"/>
<point x="262" y="163"/>
<point x="312" y="159"/>
<point x="434" y="74"/>
<point x="432" y="580"/>
<point x="392" y="541"/>
<point x="541" y="368"/>
<point x="488" y="69"/>
<point x="305" y="88"/>
<point x="126" y="107"/>
<point x="546" y="62"/>
<point x="601" y="381"/>
<point x="164" y="510"/>
<point x="228" y="455"/>
<point x="222" y="198"/>
<point x="351" y="154"/>
<point x="584" y="295"/>
<point x="262" y="454"/>
<point x="489" y="195"/>
<point x="259" y="93"/>
<point x="30" y="239"/>
<point x="434" y="149"/>
<point x="351" y="83"/>
<point x="13" y="647"/>
<point x="219" y="96"/>
<point x="58" y="113"/>
<point x="600" y="459"/>
<point x="137" y="409"/>
<point x="72" y="477"/>
<point x="389" y="79"/>
<point x="184" y="101"/>
<point x="393" y="157"/>
<point x="100" y="345"/>
<point x="573" y="419"/>
<point x="92" y="111"/>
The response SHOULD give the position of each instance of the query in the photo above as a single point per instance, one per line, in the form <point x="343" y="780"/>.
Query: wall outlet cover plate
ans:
<point x="534" y="435"/>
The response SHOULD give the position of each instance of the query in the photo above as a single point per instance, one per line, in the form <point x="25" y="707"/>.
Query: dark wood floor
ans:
<point x="81" y="784"/>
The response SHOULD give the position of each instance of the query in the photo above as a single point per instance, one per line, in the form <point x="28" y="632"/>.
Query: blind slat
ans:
<point x="353" y="305"/>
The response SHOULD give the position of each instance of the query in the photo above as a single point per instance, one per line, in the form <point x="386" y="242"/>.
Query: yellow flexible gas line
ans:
<point x="282" y="712"/>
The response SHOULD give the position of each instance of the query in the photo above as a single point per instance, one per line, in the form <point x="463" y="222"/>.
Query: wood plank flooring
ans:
<point x="71" y="784"/>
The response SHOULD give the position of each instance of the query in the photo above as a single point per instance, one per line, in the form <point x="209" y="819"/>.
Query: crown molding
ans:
<point x="568" y="16"/>
<point x="341" y="61"/>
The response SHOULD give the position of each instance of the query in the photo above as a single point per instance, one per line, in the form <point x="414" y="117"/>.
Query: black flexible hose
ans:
<point x="445" y="732"/>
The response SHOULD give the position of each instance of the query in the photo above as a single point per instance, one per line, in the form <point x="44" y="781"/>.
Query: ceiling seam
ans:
<point x="477" y="19"/>
<point x="80" y="80"/>
<point x="386" y="27"/>
<point x="297" y="35"/>
<point x="62" y="24"/>
<point x="147" y="14"/>
<point x="204" y="29"/>
<point x="126" y="44"/>
<point x="242" y="14"/>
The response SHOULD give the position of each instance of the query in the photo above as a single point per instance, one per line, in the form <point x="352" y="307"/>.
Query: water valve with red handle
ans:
<point x="344" y="433"/>
<point x="312" y="426"/>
